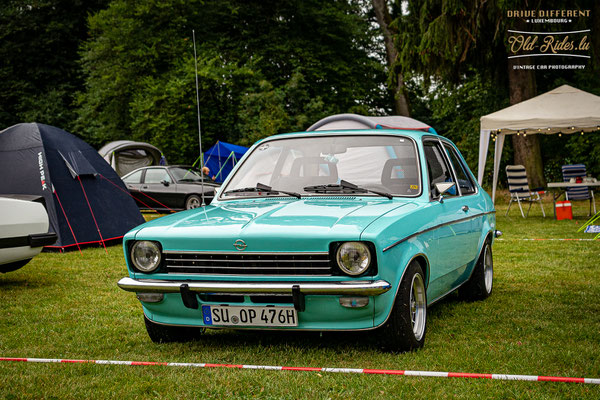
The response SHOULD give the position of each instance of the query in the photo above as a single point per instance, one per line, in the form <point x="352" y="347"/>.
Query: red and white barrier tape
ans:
<point x="429" y="374"/>
<point x="535" y="240"/>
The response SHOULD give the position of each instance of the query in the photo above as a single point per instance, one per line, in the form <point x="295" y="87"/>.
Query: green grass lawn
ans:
<point x="543" y="318"/>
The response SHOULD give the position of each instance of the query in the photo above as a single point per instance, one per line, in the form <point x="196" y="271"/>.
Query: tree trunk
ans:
<point x="384" y="19"/>
<point x="527" y="151"/>
<point x="596" y="36"/>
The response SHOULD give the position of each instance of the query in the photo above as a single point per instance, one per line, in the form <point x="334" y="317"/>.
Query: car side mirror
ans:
<point x="165" y="182"/>
<point x="443" y="187"/>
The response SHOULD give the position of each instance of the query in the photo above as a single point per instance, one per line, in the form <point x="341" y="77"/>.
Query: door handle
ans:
<point x="465" y="208"/>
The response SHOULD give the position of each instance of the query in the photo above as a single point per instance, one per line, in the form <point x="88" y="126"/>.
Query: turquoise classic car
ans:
<point x="360" y="223"/>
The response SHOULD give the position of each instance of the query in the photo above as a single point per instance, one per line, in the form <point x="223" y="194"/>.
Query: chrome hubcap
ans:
<point x="488" y="269"/>
<point x="193" y="203"/>
<point x="418" y="306"/>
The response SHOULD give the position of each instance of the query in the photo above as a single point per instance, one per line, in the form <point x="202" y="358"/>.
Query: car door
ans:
<point x="133" y="182"/>
<point x="159" y="189"/>
<point x="471" y="203"/>
<point x="455" y="243"/>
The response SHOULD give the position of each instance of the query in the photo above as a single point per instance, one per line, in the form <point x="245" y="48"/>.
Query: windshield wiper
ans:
<point x="344" y="186"/>
<point x="263" y="188"/>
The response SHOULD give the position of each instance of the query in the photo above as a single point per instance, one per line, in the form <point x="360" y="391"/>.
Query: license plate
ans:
<point x="249" y="316"/>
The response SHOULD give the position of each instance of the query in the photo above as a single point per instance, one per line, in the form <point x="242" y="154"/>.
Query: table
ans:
<point x="562" y="185"/>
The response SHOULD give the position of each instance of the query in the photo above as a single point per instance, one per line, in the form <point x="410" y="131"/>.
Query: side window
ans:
<point x="464" y="179"/>
<point x="156" y="175"/>
<point x="437" y="169"/>
<point x="134" y="178"/>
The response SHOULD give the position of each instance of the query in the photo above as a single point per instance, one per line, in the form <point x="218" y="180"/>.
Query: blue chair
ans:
<point x="578" y="193"/>
<point x="518" y="187"/>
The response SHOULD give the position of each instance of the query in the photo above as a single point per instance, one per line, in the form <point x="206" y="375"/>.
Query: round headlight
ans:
<point x="145" y="255"/>
<point x="353" y="258"/>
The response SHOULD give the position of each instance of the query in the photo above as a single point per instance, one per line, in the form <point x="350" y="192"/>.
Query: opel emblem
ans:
<point x="240" y="245"/>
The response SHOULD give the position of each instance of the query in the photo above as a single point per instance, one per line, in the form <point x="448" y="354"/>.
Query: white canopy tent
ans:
<point x="562" y="110"/>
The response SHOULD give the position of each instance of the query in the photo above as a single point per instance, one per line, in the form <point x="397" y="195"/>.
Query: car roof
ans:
<point x="414" y="134"/>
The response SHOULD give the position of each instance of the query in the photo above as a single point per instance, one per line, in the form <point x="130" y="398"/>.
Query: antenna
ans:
<point x="199" y="126"/>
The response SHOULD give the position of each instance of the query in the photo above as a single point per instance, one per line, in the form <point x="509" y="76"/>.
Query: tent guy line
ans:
<point x="70" y="178"/>
<point x="426" y="374"/>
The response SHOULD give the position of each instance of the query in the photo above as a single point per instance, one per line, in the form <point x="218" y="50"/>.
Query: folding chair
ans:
<point x="581" y="192"/>
<point x="519" y="189"/>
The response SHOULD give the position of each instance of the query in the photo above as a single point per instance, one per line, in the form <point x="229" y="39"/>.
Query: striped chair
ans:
<point x="519" y="189"/>
<point x="578" y="193"/>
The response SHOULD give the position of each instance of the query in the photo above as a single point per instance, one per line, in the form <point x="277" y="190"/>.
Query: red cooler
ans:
<point x="564" y="210"/>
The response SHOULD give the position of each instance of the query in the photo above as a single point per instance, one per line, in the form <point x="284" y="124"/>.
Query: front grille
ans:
<point x="281" y="264"/>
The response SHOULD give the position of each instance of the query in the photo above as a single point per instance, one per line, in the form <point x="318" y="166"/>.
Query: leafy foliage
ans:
<point x="454" y="111"/>
<point x="39" y="71"/>
<point x="457" y="54"/>
<point x="264" y="68"/>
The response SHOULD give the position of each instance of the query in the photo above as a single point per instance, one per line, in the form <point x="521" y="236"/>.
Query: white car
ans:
<point x="23" y="231"/>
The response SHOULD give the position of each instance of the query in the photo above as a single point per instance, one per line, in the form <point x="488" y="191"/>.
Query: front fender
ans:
<point x="393" y="264"/>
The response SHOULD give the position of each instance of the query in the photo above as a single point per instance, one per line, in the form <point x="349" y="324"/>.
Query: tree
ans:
<point x="453" y="41"/>
<point x="264" y="67"/>
<point x="39" y="72"/>
<point x="384" y="19"/>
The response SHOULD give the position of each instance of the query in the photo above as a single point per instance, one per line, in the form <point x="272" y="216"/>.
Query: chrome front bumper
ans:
<point x="345" y="288"/>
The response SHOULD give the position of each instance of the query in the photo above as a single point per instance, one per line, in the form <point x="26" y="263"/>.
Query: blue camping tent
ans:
<point x="221" y="158"/>
<point x="87" y="202"/>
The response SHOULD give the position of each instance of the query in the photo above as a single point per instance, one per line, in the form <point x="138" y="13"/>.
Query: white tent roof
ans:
<point x="564" y="109"/>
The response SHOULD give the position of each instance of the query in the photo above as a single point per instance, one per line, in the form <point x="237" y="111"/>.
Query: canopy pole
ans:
<point x="219" y="156"/>
<point x="484" y="143"/>
<point x="219" y="173"/>
<point x="497" y="159"/>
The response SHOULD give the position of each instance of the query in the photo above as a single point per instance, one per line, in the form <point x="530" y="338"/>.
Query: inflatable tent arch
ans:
<point x="126" y="155"/>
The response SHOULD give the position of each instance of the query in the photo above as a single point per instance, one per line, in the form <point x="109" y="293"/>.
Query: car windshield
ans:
<point x="325" y="165"/>
<point x="188" y="175"/>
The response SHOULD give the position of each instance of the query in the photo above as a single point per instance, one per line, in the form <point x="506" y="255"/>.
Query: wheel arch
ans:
<point x="423" y="261"/>
<point x="417" y="254"/>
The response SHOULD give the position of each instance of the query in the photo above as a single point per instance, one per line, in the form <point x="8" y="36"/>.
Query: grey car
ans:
<point x="169" y="188"/>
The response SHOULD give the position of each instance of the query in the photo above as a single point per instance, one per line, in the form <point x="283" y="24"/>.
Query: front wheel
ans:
<point x="479" y="285"/>
<point x="406" y="327"/>
<point x="167" y="333"/>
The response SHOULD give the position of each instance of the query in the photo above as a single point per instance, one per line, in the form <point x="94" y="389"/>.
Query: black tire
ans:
<point x="193" y="201"/>
<point x="13" y="266"/>
<point x="169" y="334"/>
<point x="480" y="284"/>
<point x="406" y="327"/>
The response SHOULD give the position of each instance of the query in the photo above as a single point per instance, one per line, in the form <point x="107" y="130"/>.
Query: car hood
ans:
<point x="268" y="224"/>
